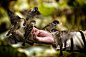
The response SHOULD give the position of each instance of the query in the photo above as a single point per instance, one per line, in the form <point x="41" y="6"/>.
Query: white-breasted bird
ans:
<point x="60" y="37"/>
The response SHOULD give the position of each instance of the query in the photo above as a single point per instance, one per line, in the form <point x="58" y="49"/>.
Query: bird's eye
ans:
<point x="55" y="23"/>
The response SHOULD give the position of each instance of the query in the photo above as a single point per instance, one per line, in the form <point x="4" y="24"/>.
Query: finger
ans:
<point x="45" y="39"/>
<point x="35" y="29"/>
<point x="43" y="33"/>
<point x="36" y="33"/>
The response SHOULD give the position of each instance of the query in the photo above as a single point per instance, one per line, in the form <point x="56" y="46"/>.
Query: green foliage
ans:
<point x="9" y="51"/>
<point x="71" y="54"/>
<point x="47" y="11"/>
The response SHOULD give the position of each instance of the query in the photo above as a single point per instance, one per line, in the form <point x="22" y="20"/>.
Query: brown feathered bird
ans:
<point x="16" y="21"/>
<point x="16" y="26"/>
<point x="60" y="37"/>
<point x="51" y="25"/>
<point x="17" y="36"/>
<point x="31" y="13"/>
<point x="28" y="31"/>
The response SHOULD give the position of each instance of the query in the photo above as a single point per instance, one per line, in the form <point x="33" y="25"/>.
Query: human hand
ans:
<point x="42" y="36"/>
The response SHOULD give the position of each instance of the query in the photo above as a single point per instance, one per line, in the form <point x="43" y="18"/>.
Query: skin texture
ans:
<point x="42" y="36"/>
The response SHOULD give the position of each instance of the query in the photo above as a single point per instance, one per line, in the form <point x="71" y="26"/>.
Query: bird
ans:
<point x="13" y="36"/>
<point x="17" y="36"/>
<point x="16" y="21"/>
<point x="16" y="26"/>
<point x="31" y="13"/>
<point x="60" y="37"/>
<point x="28" y="31"/>
<point x="51" y="25"/>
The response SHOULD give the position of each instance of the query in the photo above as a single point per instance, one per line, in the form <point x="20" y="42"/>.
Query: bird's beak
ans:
<point x="58" y="23"/>
<point x="34" y="22"/>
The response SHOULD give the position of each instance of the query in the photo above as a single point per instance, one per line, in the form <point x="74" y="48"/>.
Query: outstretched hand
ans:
<point x="42" y="36"/>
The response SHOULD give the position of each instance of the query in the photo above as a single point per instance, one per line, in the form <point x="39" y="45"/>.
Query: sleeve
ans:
<point x="76" y="43"/>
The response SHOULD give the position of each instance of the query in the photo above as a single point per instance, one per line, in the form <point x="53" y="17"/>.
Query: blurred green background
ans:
<point x="70" y="13"/>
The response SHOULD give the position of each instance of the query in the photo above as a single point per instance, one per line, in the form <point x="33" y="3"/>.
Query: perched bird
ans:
<point x="13" y="36"/>
<point x="20" y="37"/>
<point x="17" y="36"/>
<point x="16" y="22"/>
<point x="52" y="25"/>
<point x="60" y="37"/>
<point x="31" y="13"/>
<point x="16" y="26"/>
<point x="28" y="31"/>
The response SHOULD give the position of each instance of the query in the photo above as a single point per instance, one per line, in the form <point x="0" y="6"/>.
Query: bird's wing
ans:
<point x="13" y="18"/>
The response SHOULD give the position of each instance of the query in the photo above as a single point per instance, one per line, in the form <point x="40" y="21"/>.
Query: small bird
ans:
<point x="16" y="22"/>
<point x="17" y="36"/>
<point x="20" y="37"/>
<point x="52" y="25"/>
<point x="60" y="37"/>
<point x="31" y="13"/>
<point x="28" y="31"/>
<point x="13" y="36"/>
<point x="16" y="26"/>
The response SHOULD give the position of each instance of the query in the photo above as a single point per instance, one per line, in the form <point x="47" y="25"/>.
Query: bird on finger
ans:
<point x="60" y="37"/>
<point x="51" y="25"/>
<point x="28" y="31"/>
